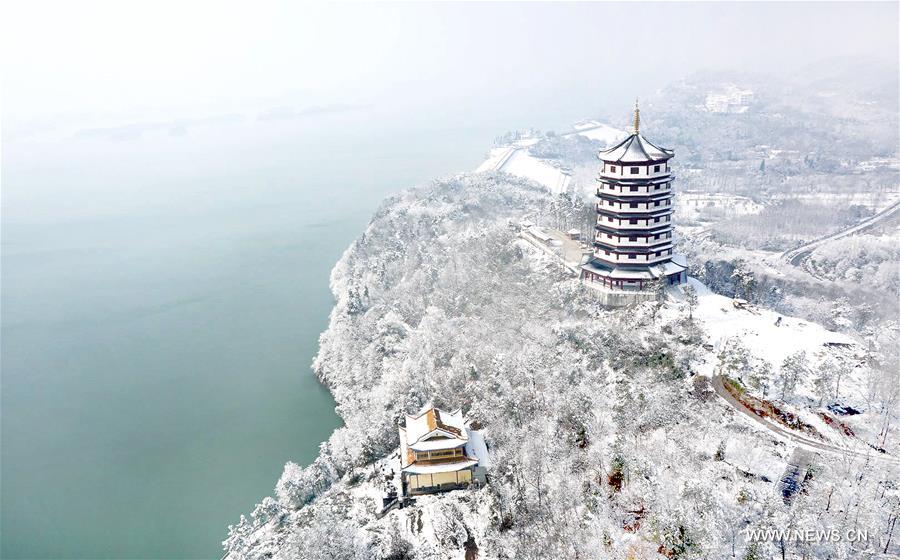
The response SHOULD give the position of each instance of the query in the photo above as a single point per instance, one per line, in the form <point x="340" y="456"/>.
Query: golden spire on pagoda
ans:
<point x="637" y="117"/>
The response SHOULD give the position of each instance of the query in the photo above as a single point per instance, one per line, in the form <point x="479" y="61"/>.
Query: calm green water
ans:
<point x="162" y="298"/>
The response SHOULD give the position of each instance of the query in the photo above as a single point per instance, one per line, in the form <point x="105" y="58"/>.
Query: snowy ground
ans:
<point x="596" y="130"/>
<point x="756" y="327"/>
<point x="696" y="205"/>
<point x="517" y="160"/>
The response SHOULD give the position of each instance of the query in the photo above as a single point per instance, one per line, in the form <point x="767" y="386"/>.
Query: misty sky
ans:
<point x="113" y="62"/>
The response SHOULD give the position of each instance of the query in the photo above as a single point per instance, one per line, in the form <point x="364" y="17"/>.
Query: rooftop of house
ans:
<point x="433" y="429"/>
<point x="432" y="423"/>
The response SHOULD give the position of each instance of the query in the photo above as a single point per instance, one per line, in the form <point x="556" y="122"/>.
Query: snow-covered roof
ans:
<point x="592" y="266"/>
<point x="425" y="468"/>
<point x="404" y="448"/>
<point x="635" y="149"/>
<point x="620" y="273"/>
<point x="539" y="234"/>
<point x="628" y="274"/>
<point x="680" y="260"/>
<point x="433" y="429"/>
<point x="476" y="447"/>
<point x="432" y="444"/>
<point x="675" y="265"/>
<point x="431" y="423"/>
<point x="669" y="267"/>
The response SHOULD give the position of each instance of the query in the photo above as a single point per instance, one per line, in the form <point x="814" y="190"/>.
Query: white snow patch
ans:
<point x="749" y="456"/>
<point x="518" y="161"/>
<point x="496" y="158"/>
<point x="756" y="329"/>
<point x="596" y="130"/>
<point x="478" y="448"/>
<point x="523" y="164"/>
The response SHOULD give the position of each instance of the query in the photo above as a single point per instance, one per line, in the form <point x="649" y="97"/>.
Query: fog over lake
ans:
<point x="157" y="341"/>
<point x="177" y="185"/>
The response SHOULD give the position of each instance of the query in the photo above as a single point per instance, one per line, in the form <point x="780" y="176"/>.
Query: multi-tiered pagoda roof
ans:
<point x="636" y="149"/>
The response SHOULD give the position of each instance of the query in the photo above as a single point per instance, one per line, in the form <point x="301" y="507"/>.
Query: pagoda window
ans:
<point x="609" y="218"/>
<point x="658" y="253"/>
<point x="612" y="168"/>
<point x="655" y="220"/>
<point x="656" y="169"/>
<point x="633" y="205"/>
<point x="635" y="170"/>
<point x="632" y="256"/>
<point x="632" y="239"/>
<point x="609" y="235"/>
<point x="656" y="187"/>
<point x="632" y="221"/>
<point x="606" y="252"/>
<point x="656" y="203"/>
<point x="632" y="189"/>
<point x="656" y="236"/>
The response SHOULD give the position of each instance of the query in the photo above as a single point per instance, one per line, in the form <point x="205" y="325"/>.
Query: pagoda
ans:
<point x="634" y="239"/>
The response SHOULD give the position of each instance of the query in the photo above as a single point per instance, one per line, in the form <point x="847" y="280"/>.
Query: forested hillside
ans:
<point x="607" y="438"/>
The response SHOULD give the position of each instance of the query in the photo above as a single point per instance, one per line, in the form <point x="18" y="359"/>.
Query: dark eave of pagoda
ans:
<point x="642" y="197"/>
<point x="623" y="250"/>
<point x="636" y="181"/>
<point x="631" y="266"/>
<point x="657" y="228"/>
<point x="637" y="215"/>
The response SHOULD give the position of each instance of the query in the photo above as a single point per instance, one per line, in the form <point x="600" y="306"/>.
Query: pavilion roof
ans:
<point x="431" y="421"/>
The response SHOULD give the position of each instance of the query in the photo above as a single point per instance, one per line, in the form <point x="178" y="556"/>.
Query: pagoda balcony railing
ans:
<point x="622" y="258"/>
<point x="605" y="227"/>
<point x="644" y="172"/>
<point x="602" y="248"/>
<point x="639" y="208"/>
<point x="633" y="190"/>
<point x="640" y="223"/>
<point x="635" y="241"/>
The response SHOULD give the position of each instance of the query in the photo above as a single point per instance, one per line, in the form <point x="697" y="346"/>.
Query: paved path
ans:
<point x="572" y="251"/>
<point x="569" y="253"/>
<point x="805" y="441"/>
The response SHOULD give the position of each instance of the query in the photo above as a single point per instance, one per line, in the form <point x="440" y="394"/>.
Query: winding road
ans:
<point x="798" y="256"/>
<point x="807" y="442"/>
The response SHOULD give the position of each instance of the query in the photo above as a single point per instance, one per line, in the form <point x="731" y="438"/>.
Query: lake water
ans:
<point x="162" y="298"/>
